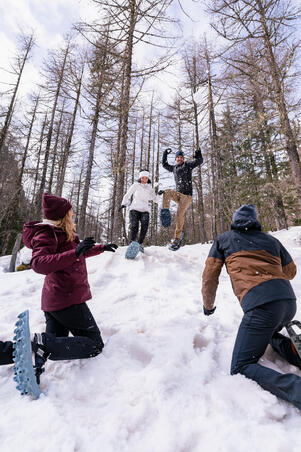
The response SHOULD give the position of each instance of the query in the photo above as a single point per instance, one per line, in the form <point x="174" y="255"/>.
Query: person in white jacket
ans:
<point x="141" y="193"/>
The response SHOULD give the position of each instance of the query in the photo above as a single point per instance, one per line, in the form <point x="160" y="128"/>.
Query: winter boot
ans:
<point x="165" y="217"/>
<point x="141" y="248"/>
<point x="40" y="355"/>
<point x="132" y="250"/>
<point x="294" y="330"/>
<point x="175" y="244"/>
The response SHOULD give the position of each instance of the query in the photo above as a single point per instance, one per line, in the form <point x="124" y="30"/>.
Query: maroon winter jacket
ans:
<point x="66" y="281"/>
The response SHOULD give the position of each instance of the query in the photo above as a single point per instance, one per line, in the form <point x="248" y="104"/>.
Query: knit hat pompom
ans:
<point x="55" y="207"/>
<point x="245" y="212"/>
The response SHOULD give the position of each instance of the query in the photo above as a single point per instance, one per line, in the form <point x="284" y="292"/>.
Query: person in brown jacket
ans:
<point x="260" y="269"/>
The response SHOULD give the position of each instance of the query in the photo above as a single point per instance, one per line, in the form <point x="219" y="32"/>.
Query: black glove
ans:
<point x="198" y="154"/>
<point x="84" y="246"/>
<point x="110" y="247"/>
<point x="209" y="311"/>
<point x="160" y="192"/>
<point x="168" y="150"/>
<point x="122" y="207"/>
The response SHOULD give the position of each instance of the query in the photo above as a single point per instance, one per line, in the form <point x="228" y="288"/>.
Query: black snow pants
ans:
<point x="135" y="217"/>
<point x="6" y="353"/>
<point x="79" y="321"/>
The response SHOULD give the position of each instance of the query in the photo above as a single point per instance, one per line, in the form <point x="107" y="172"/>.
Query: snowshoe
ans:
<point x="295" y="337"/>
<point x="165" y="217"/>
<point x="176" y="243"/>
<point x="24" y="371"/>
<point x="141" y="248"/>
<point x="132" y="250"/>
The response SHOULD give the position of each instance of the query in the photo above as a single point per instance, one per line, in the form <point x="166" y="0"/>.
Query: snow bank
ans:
<point x="162" y="383"/>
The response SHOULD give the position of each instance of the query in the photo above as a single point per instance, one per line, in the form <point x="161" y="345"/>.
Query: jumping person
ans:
<point x="182" y="172"/>
<point x="58" y="254"/>
<point x="141" y="193"/>
<point x="260" y="269"/>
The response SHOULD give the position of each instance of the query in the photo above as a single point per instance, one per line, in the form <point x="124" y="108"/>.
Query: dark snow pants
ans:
<point x="6" y="353"/>
<point x="259" y="327"/>
<point x="79" y="321"/>
<point x="135" y="217"/>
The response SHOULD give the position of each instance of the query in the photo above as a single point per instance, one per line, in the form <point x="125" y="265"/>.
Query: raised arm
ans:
<point x="198" y="159"/>
<point x="165" y="164"/>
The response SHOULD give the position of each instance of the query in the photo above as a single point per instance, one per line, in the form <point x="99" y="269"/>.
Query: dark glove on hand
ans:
<point x="122" y="207"/>
<point x="160" y="192"/>
<point x="168" y="150"/>
<point x="110" y="247"/>
<point x="198" y="154"/>
<point x="209" y="311"/>
<point x="84" y="246"/>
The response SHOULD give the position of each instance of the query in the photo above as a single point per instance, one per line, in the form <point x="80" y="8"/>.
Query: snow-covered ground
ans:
<point x="162" y="383"/>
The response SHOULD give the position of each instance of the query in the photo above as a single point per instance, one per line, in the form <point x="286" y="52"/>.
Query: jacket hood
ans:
<point x="31" y="228"/>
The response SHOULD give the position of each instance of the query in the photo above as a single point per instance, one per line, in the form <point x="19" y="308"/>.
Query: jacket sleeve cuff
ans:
<point x="97" y="249"/>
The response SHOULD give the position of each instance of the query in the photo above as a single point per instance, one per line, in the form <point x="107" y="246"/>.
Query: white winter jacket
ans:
<point x="142" y="194"/>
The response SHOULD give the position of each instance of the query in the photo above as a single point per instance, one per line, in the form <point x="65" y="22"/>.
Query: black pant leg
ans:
<point x="53" y="326"/>
<point x="6" y="353"/>
<point x="134" y="222"/>
<point x="144" y="218"/>
<point x="87" y="340"/>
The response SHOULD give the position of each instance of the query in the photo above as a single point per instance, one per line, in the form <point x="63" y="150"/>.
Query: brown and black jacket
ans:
<point x="258" y="264"/>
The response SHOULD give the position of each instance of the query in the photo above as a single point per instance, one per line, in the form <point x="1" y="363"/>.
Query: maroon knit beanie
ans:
<point x="54" y="207"/>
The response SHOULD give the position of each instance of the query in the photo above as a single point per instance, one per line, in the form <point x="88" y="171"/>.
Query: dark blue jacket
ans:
<point x="182" y="173"/>
<point x="258" y="264"/>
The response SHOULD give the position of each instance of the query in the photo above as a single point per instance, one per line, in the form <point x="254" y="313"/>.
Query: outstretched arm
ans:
<point x="45" y="259"/>
<point x="165" y="164"/>
<point x="153" y="196"/>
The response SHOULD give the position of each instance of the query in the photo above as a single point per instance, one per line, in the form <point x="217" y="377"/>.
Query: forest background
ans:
<point x="92" y="91"/>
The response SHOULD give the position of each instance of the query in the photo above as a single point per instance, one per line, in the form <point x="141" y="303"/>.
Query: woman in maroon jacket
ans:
<point x="58" y="254"/>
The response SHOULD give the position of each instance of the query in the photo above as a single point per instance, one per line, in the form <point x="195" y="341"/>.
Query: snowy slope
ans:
<point x="162" y="383"/>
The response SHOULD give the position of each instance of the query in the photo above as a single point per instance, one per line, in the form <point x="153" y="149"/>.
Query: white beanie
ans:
<point x="143" y="174"/>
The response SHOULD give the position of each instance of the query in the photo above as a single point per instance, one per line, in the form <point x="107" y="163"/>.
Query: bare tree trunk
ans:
<point x="134" y="152"/>
<point x="66" y="153"/>
<point x="35" y="205"/>
<point x="95" y="121"/>
<point x="291" y="145"/>
<point x="28" y="44"/>
<point x="16" y="248"/>
<point x="214" y="146"/>
<point x="50" y="129"/>
<point x="125" y="103"/>
<point x="142" y="142"/>
<point x="150" y="132"/>
<point x="54" y="153"/>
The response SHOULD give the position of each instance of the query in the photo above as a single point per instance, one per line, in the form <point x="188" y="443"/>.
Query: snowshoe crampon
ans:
<point x="24" y="371"/>
<point x="176" y="243"/>
<point x="292" y="328"/>
<point x="132" y="250"/>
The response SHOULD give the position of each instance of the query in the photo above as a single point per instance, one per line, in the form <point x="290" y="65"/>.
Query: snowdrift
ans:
<point x="162" y="383"/>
